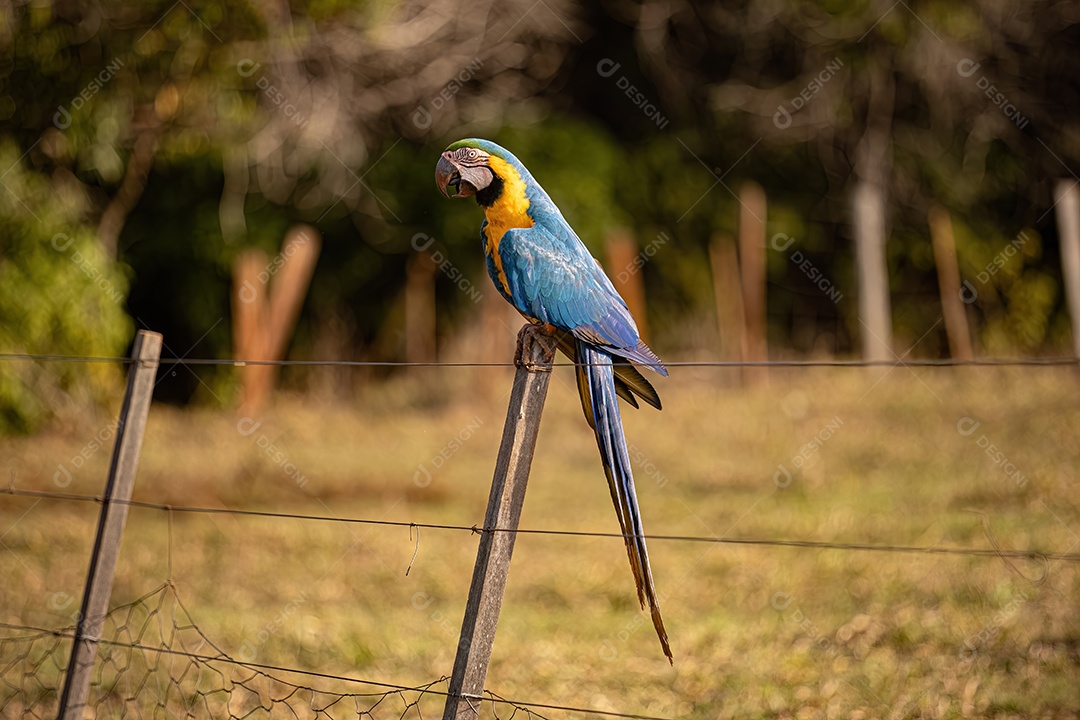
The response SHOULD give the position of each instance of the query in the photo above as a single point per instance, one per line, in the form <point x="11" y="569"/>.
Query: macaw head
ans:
<point x="472" y="166"/>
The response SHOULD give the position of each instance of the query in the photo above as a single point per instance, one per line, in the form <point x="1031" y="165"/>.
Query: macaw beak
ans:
<point x="455" y="182"/>
<point x="447" y="176"/>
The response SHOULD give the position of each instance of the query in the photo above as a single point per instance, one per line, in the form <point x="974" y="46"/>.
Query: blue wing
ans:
<point x="553" y="278"/>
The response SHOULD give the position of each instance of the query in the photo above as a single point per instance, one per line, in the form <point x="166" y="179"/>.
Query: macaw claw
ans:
<point x="535" y="333"/>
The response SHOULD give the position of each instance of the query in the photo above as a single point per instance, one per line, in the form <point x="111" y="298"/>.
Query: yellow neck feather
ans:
<point x="509" y="211"/>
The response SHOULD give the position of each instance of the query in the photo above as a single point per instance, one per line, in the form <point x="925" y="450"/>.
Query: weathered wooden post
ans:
<point x="496" y="342"/>
<point x="625" y="270"/>
<point x="728" y="296"/>
<point x="1067" y="202"/>
<point x="875" y="313"/>
<point x="114" y="509"/>
<point x="536" y="351"/>
<point x="420" y="272"/>
<point x="752" y="212"/>
<point x="265" y="313"/>
<point x="948" y="272"/>
<point x="250" y="311"/>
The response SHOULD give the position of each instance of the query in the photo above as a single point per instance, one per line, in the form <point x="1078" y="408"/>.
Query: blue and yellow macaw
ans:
<point x="541" y="267"/>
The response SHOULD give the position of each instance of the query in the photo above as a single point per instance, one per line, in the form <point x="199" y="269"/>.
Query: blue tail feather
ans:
<point x="596" y="383"/>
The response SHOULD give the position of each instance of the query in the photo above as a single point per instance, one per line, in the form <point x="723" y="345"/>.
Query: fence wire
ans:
<point x="153" y="661"/>
<point x="1043" y="557"/>
<point x="824" y="362"/>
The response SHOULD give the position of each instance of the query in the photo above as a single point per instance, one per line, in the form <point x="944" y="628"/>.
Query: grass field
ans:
<point x="958" y="458"/>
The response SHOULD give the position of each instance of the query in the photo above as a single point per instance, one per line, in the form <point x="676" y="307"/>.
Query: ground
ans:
<point x="964" y="458"/>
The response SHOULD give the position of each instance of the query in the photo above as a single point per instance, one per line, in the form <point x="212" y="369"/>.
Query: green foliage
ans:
<point x="579" y="165"/>
<point x="212" y="83"/>
<point x="58" y="295"/>
<point x="677" y="214"/>
<point x="1017" y="294"/>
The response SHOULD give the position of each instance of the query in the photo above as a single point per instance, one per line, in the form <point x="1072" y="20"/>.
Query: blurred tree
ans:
<point x="272" y="107"/>
<point x="973" y="106"/>
<point x="59" y="295"/>
<point x="168" y="137"/>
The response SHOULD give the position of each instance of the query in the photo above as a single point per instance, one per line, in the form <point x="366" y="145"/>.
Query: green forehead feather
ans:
<point x="486" y="145"/>
<point x="467" y="142"/>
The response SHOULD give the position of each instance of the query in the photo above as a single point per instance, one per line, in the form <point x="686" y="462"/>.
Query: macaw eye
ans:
<point x="472" y="154"/>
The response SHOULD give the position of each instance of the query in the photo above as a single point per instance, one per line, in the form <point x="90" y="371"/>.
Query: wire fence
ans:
<point x="823" y="362"/>
<point x="476" y="529"/>
<point x="155" y="662"/>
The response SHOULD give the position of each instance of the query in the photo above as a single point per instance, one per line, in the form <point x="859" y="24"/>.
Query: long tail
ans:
<point x="596" y="384"/>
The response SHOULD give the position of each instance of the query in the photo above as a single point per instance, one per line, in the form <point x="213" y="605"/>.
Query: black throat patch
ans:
<point x="489" y="195"/>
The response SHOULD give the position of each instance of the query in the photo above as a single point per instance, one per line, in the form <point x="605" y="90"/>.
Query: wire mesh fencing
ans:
<point x="153" y="661"/>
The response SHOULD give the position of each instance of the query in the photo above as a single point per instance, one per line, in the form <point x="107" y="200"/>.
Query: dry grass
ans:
<point x="757" y="631"/>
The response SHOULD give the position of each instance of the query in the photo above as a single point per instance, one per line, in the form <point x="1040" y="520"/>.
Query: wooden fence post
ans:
<point x="625" y="270"/>
<point x="114" y="509"/>
<point x="265" y="313"/>
<point x="1067" y="202"/>
<point x="948" y="272"/>
<point x="752" y="211"/>
<point x="536" y="350"/>
<point x="496" y="342"/>
<point x="875" y="313"/>
<point x="420" y="341"/>
<point x="728" y="296"/>
<point x="250" y="322"/>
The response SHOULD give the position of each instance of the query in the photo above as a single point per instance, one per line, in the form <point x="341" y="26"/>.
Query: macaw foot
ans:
<point x="535" y="333"/>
